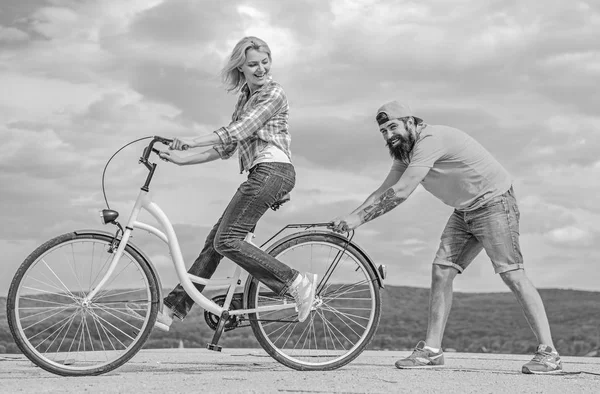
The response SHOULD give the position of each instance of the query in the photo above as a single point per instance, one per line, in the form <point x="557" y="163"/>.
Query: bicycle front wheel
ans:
<point x="345" y="314"/>
<point x="61" y="332"/>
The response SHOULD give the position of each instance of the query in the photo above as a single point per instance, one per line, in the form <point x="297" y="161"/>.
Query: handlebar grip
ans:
<point x="168" y="141"/>
<point x="163" y="140"/>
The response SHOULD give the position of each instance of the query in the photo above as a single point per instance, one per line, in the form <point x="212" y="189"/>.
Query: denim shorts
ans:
<point x="493" y="227"/>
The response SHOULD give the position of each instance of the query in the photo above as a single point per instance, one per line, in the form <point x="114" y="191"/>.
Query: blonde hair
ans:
<point x="230" y="75"/>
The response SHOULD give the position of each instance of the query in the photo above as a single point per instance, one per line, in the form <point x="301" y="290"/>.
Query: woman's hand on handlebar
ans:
<point x="171" y="157"/>
<point x="181" y="144"/>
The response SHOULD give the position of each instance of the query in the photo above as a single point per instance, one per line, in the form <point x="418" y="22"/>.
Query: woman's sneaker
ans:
<point x="163" y="319"/>
<point x="421" y="358"/>
<point x="304" y="294"/>
<point x="546" y="360"/>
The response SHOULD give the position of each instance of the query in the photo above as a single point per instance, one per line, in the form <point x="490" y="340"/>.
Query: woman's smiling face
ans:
<point x="256" y="68"/>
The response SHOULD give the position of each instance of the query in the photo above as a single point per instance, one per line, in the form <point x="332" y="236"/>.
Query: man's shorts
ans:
<point x="493" y="227"/>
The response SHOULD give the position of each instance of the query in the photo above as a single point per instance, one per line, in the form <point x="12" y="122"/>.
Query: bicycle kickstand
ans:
<point x="218" y="331"/>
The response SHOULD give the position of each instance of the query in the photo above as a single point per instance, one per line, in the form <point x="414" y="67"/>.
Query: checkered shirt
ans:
<point x="257" y="120"/>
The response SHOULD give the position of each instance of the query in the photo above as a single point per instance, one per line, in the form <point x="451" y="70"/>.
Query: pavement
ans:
<point x="253" y="371"/>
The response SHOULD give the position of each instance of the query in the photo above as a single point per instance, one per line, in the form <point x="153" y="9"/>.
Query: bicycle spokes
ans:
<point x="343" y="315"/>
<point x="63" y="330"/>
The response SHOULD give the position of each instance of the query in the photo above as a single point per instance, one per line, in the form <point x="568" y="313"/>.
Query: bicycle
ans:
<point x="84" y="303"/>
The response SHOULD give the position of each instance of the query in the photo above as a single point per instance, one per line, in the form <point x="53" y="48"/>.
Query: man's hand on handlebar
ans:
<point x="181" y="144"/>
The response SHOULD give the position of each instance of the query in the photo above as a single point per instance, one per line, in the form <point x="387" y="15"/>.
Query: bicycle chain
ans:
<point x="234" y="321"/>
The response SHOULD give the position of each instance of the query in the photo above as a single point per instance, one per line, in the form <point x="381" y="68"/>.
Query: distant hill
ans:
<point x="491" y="322"/>
<point x="479" y="322"/>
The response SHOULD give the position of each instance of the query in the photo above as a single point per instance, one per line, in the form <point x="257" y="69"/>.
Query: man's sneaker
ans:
<point x="163" y="320"/>
<point x="421" y="358"/>
<point x="546" y="360"/>
<point x="304" y="295"/>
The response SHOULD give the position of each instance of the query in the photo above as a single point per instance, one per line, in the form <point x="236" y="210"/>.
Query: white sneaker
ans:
<point x="163" y="320"/>
<point x="304" y="295"/>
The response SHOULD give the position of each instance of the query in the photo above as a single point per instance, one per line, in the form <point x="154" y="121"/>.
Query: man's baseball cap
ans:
<point x="394" y="110"/>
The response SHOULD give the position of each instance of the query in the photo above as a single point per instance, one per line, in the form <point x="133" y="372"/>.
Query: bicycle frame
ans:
<point x="79" y="334"/>
<point x="144" y="201"/>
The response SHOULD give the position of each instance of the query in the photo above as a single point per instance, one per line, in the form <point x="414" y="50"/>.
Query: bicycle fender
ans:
<point x="339" y="236"/>
<point x="135" y="249"/>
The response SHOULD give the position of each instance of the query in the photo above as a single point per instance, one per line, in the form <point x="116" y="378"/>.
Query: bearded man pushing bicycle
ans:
<point x="463" y="174"/>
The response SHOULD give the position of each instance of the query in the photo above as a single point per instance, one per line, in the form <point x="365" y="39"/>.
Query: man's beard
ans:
<point x="402" y="151"/>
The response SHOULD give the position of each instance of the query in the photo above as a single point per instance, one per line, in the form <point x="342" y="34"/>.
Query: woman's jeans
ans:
<point x="267" y="183"/>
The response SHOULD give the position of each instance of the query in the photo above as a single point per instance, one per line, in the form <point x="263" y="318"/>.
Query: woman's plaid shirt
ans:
<point x="257" y="120"/>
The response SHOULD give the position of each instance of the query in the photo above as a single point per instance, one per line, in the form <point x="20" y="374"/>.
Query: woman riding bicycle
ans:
<point x="259" y="133"/>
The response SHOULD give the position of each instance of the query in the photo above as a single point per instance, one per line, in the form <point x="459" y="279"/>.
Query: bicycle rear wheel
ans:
<point x="344" y="317"/>
<point x="57" y="330"/>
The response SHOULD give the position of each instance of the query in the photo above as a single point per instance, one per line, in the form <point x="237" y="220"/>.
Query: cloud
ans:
<point x="11" y="34"/>
<point x="571" y="236"/>
<point x="182" y="22"/>
<point x="85" y="78"/>
<point x="52" y="156"/>
<point x="55" y="22"/>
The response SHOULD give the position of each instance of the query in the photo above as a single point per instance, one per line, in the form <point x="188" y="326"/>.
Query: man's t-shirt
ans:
<point x="463" y="173"/>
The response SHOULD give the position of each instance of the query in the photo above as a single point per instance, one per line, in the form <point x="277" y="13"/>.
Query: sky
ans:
<point x="80" y="79"/>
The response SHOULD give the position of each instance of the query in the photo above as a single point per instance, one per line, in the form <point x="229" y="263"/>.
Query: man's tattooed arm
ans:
<point x="383" y="204"/>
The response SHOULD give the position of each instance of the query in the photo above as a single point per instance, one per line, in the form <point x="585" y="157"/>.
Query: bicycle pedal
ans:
<point x="215" y="348"/>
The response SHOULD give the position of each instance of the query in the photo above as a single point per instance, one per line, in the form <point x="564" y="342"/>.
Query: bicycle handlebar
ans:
<point x="146" y="155"/>
<point x="150" y="147"/>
